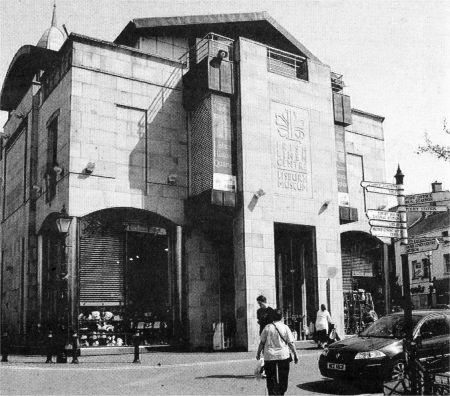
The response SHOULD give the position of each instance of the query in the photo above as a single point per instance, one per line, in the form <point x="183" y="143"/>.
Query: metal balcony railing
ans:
<point x="287" y="64"/>
<point x="210" y="45"/>
<point x="337" y="83"/>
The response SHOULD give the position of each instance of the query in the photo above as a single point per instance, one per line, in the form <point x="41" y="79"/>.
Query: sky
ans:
<point x="394" y="56"/>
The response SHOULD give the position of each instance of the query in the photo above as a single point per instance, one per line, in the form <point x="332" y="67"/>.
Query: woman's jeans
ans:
<point x="277" y="372"/>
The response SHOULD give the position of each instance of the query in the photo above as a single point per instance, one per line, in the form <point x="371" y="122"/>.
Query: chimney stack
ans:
<point x="436" y="187"/>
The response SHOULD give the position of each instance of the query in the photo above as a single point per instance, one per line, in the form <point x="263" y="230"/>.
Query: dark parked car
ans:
<point x="377" y="352"/>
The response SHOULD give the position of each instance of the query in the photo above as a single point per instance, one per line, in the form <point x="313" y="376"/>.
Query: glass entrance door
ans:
<point x="296" y="288"/>
<point x="149" y="286"/>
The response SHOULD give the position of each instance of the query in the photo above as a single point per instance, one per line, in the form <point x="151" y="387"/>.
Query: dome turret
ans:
<point x="52" y="38"/>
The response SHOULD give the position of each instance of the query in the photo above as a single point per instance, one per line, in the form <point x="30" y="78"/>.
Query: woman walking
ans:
<point x="277" y="344"/>
<point x="322" y="320"/>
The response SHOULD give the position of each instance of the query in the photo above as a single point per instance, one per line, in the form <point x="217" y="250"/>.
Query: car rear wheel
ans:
<point x="398" y="370"/>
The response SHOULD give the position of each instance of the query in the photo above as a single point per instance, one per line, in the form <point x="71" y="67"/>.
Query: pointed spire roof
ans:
<point x="52" y="38"/>
<point x="54" y="23"/>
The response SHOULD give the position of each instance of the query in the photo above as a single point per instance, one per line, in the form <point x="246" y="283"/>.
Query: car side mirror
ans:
<point x="426" y="334"/>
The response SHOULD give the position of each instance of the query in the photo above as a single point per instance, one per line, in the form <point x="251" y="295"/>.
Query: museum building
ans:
<point x="163" y="181"/>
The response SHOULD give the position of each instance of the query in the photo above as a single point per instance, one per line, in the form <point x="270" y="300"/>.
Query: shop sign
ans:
<point x="360" y="273"/>
<point x="344" y="199"/>
<point x="224" y="182"/>
<point x="417" y="271"/>
<point x="221" y="119"/>
<point x="141" y="227"/>
<point x="341" y="160"/>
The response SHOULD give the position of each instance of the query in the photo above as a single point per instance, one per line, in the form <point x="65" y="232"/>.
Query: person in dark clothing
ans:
<point x="264" y="314"/>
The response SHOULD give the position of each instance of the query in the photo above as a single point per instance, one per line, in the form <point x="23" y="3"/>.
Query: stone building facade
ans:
<point x="203" y="161"/>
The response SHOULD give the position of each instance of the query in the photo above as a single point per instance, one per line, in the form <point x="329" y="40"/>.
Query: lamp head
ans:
<point x="63" y="221"/>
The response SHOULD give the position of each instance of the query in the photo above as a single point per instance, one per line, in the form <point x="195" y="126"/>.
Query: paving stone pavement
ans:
<point x="125" y="355"/>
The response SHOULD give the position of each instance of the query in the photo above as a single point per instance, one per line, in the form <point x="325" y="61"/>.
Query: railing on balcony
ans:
<point x="337" y="83"/>
<point x="210" y="45"/>
<point x="287" y="64"/>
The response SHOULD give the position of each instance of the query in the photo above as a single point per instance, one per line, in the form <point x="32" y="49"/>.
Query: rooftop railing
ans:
<point x="208" y="46"/>
<point x="287" y="64"/>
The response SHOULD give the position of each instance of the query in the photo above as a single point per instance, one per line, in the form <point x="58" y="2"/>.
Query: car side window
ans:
<point x="437" y="326"/>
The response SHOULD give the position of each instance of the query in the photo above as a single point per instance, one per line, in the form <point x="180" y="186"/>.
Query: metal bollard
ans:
<point x="49" y="347"/>
<point x="75" y="348"/>
<point x="5" y="347"/>
<point x="136" y="343"/>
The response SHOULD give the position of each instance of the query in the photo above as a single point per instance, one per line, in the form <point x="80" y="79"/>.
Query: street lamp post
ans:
<point x="409" y="346"/>
<point x="63" y="225"/>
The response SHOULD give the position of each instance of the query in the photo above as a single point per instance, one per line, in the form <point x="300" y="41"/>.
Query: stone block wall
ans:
<point x="202" y="267"/>
<point x="117" y="99"/>
<point x="18" y="278"/>
<point x="265" y="97"/>
<point x="366" y="161"/>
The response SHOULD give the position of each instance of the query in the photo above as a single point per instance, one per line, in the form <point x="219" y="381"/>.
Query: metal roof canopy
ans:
<point x="258" y="26"/>
<point x="27" y="61"/>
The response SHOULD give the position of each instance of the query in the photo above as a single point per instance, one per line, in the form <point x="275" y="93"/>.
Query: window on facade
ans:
<point x="426" y="268"/>
<point x="51" y="78"/>
<point x="286" y="64"/>
<point x="416" y="270"/>
<point x="447" y="262"/>
<point x="445" y="234"/>
<point x="52" y="158"/>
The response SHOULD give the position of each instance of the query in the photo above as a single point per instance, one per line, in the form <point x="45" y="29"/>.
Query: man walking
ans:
<point x="264" y="313"/>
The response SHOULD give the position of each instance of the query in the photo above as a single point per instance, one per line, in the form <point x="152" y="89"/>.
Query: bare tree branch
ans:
<point x="439" y="151"/>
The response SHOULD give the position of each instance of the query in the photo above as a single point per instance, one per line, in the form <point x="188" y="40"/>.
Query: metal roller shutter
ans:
<point x="101" y="269"/>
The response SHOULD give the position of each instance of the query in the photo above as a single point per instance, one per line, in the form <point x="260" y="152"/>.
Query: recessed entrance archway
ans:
<point x="362" y="279"/>
<point x="296" y="274"/>
<point x="127" y="277"/>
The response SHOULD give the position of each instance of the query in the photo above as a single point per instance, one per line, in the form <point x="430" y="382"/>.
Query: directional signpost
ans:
<point x="380" y="188"/>
<point x="386" y="232"/>
<point x="382" y="215"/>
<point x="389" y="186"/>
<point x="421" y="245"/>
<point x="418" y="199"/>
<point x="423" y="199"/>
<point x="385" y="191"/>
<point x="383" y="223"/>
<point x="426" y="209"/>
<point x="393" y="225"/>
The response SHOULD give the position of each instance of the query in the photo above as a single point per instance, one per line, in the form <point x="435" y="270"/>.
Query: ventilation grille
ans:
<point x="101" y="269"/>
<point x="201" y="148"/>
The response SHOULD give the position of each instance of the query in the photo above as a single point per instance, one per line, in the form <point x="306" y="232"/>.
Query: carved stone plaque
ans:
<point x="291" y="153"/>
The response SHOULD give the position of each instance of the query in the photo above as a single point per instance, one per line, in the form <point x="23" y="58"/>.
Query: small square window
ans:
<point x="447" y="262"/>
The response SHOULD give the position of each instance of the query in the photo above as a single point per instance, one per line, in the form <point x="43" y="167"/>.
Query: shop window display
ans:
<point x="109" y="328"/>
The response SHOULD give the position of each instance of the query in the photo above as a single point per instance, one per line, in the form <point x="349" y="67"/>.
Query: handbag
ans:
<point x="258" y="371"/>
<point x="290" y="354"/>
